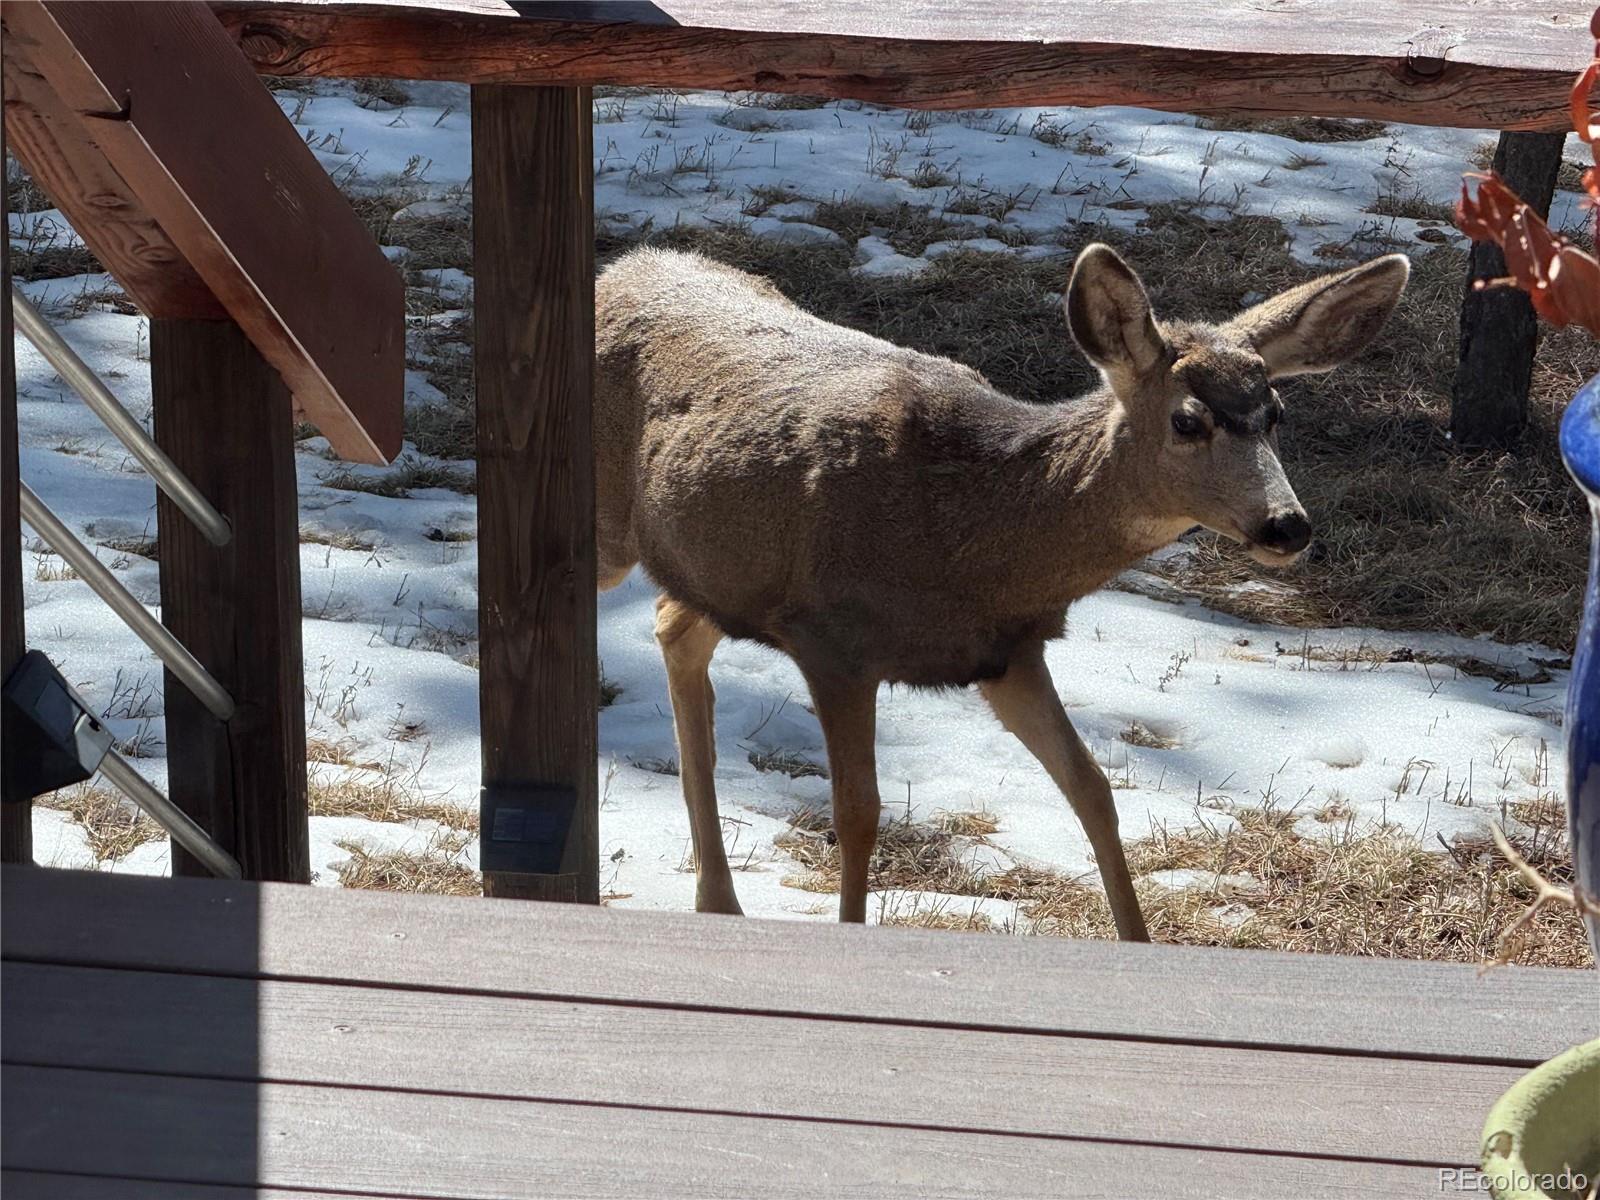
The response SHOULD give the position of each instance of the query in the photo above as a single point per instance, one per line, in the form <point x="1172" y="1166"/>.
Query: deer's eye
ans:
<point x="1187" y="425"/>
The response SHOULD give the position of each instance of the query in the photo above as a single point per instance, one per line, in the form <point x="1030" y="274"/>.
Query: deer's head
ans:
<point x="1199" y="398"/>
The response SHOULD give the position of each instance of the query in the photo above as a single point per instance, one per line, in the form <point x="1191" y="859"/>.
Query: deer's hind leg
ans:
<point x="688" y="640"/>
<point x="1025" y="700"/>
<point x="848" y="710"/>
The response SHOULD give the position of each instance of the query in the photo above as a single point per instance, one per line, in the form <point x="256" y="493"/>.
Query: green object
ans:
<point x="1542" y="1138"/>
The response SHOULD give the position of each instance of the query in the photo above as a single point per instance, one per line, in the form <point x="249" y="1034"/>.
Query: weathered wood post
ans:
<point x="1499" y="331"/>
<point x="225" y="418"/>
<point x="533" y="250"/>
<point x="16" y="810"/>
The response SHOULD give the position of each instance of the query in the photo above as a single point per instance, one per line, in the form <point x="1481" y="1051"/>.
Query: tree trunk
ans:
<point x="1499" y="330"/>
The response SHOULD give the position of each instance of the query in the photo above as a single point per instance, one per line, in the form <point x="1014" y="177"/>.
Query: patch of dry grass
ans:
<point x="1140" y="735"/>
<point x="113" y="825"/>
<point x="909" y="855"/>
<point x="1375" y="892"/>
<point x="1301" y="129"/>
<point x="338" y="785"/>
<point x="142" y="545"/>
<point x="1412" y="204"/>
<point x="400" y="480"/>
<point x="967" y="823"/>
<point x="787" y="762"/>
<point x="436" y="870"/>
<point x="339" y="539"/>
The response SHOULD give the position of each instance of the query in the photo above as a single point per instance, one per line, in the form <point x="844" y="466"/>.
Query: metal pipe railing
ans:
<point x="82" y="379"/>
<point x="121" y="601"/>
<point x="170" y="817"/>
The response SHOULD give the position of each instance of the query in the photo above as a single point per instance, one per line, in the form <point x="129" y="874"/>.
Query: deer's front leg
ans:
<point x="848" y="710"/>
<point x="1025" y="700"/>
<point x="687" y="642"/>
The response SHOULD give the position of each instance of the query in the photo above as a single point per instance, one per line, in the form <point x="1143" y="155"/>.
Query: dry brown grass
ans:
<point x="339" y="786"/>
<point x="400" y="480"/>
<point x="787" y="762"/>
<point x="436" y="870"/>
<point x="113" y="825"/>
<point x="1139" y="735"/>
<point x="967" y="823"/>
<point x="916" y="857"/>
<point x="1411" y="204"/>
<point x="1375" y="892"/>
<point x="339" y="539"/>
<point x="1301" y="129"/>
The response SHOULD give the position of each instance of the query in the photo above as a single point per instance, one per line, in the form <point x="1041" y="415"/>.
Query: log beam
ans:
<point x="1428" y="62"/>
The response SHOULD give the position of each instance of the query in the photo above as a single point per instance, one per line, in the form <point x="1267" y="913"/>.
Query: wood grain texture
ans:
<point x="225" y="418"/>
<point x="16" y="808"/>
<point x="1499" y="329"/>
<point x="230" y="182"/>
<point x="1233" y="1099"/>
<point x="1294" y="1001"/>
<point x="59" y="151"/>
<point x="533" y="221"/>
<point x="54" y="1185"/>
<point x="1434" y="62"/>
<point x="205" y="1131"/>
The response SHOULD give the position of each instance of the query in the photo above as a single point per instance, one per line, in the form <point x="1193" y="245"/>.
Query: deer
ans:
<point x="882" y="515"/>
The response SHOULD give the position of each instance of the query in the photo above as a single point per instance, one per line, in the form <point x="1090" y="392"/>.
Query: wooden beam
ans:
<point x="1499" y="329"/>
<point x="224" y="416"/>
<point x="16" y="808"/>
<point x="177" y="113"/>
<point x="1431" y="62"/>
<point x="533" y="241"/>
<point x="62" y="158"/>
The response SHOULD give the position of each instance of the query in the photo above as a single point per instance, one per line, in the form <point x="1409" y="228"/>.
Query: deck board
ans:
<point x="1214" y="1097"/>
<point x="490" y="1148"/>
<point x="203" y="1039"/>
<point x="1405" y="1009"/>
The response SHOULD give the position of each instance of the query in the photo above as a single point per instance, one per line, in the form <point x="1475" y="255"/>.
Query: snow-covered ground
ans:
<point x="1239" y="710"/>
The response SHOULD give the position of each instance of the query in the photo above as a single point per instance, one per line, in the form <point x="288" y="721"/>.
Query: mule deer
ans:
<point x="884" y="515"/>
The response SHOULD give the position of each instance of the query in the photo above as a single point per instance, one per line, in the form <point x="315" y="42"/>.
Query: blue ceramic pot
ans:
<point x="1580" y="447"/>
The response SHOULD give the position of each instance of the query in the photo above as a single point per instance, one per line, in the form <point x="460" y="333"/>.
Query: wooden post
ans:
<point x="533" y="246"/>
<point x="224" y="416"/>
<point x="16" y="810"/>
<point x="1499" y="330"/>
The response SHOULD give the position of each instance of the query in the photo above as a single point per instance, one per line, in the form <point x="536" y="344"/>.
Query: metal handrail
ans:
<point x="82" y="379"/>
<point x="122" y="602"/>
<point x="170" y="817"/>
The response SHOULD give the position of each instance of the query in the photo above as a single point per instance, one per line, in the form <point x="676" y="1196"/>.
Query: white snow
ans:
<point x="390" y="629"/>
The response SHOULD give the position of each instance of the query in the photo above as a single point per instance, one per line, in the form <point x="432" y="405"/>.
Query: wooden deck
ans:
<point x="185" y="1038"/>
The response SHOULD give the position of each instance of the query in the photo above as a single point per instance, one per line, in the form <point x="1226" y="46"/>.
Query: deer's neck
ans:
<point x="1088" y="494"/>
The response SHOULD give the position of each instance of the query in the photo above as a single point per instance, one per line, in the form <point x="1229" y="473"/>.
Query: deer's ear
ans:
<point x="1109" y="313"/>
<point x="1318" y="325"/>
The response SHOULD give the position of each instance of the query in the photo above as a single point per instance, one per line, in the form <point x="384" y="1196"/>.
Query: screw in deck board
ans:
<point x="1499" y="330"/>
<point x="225" y="418"/>
<point x="533" y="250"/>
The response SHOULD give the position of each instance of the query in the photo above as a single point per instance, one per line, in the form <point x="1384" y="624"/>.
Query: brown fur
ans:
<point x="884" y="515"/>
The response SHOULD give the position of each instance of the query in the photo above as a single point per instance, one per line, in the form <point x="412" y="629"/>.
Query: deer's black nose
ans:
<point x="1287" y="533"/>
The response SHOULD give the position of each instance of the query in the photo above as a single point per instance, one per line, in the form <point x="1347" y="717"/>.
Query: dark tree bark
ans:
<point x="1499" y="330"/>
